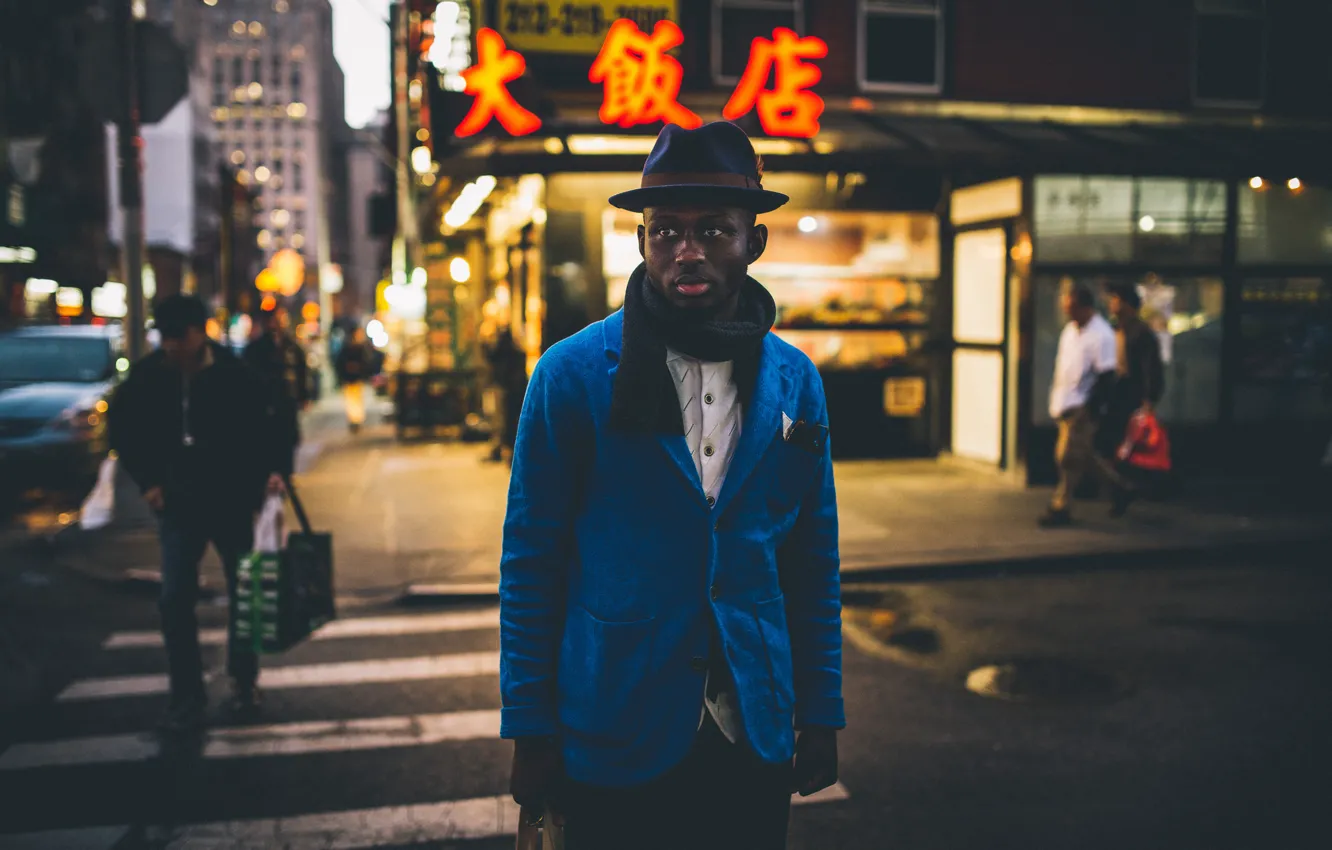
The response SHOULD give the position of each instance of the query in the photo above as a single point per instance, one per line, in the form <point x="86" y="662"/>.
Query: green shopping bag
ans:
<point x="282" y="594"/>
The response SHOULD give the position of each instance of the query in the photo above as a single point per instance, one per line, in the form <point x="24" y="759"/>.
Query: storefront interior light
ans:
<point x="422" y="162"/>
<point x="1146" y="224"/>
<point x="459" y="270"/>
<point x="9" y="254"/>
<point x="419" y="276"/>
<point x="808" y="224"/>
<point x="1255" y="182"/>
<point x="593" y="145"/>
<point x="554" y="146"/>
<point x="1294" y="184"/>
<point x="39" y="287"/>
<point x="469" y="200"/>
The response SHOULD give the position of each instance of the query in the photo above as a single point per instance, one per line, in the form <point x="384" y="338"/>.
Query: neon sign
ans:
<point x="641" y="82"/>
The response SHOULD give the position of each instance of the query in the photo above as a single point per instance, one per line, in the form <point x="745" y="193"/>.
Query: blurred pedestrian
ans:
<point x="670" y="611"/>
<point x="1084" y="375"/>
<point x="508" y="367"/>
<point x="281" y="362"/>
<point x="1139" y="380"/>
<point x="192" y="429"/>
<point x="355" y="366"/>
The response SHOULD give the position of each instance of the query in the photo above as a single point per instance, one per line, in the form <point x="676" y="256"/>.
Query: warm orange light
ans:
<point x="267" y="281"/>
<point x="309" y="311"/>
<point x="268" y="304"/>
<point x="789" y="108"/>
<point x="289" y="268"/>
<point x="641" y="83"/>
<point x="487" y="82"/>
<point x="861" y="104"/>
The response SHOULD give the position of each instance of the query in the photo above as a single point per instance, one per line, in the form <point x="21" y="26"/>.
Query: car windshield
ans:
<point x="31" y="360"/>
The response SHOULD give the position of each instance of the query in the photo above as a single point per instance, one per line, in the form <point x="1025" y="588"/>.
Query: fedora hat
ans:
<point x="713" y="165"/>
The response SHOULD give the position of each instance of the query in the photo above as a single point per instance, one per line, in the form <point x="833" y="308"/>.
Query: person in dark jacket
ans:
<point x="192" y="428"/>
<point x="1140" y="377"/>
<point x="280" y="361"/>
<point x="355" y="366"/>
<point x="508" y="365"/>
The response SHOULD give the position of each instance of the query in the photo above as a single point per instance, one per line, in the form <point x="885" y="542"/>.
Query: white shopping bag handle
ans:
<point x="268" y="525"/>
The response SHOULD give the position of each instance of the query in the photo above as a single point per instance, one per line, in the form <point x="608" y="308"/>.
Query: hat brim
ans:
<point x="694" y="194"/>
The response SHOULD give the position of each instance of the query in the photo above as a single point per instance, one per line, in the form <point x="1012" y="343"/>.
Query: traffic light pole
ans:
<point x="130" y="147"/>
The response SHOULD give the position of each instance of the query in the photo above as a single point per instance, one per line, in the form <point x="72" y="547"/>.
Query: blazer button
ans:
<point x="715" y="592"/>
<point x="711" y="501"/>
<point x="699" y="664"/>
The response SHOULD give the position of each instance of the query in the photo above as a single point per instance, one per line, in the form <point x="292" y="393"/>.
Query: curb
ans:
<point x="438" y="594"/>
<point x="1194" y="555"/>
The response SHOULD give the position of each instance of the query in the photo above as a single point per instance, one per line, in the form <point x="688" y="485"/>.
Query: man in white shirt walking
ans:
<point x="1084" y="366"/>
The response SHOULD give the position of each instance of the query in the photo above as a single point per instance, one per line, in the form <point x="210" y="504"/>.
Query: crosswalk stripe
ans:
<point x="482" y="817"/>
<point x="284" y="739"/>
<point x="94" y="838"/>
<point x="353" y="628"/>
<point x="305" y="676"/>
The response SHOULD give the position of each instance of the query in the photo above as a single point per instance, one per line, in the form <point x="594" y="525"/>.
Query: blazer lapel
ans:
<point x="760" y="425"/>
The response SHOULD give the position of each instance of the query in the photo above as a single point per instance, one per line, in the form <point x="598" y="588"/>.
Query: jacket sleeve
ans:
<point x="127" y="433"/>
<point x="810" y="567"/>
<point x="538" y="543"/>
<point x="1153" y="369"/>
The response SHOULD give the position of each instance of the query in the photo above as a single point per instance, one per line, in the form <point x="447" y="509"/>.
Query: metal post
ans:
<point x="130" y="145"/>
<point x="405" y="252"/>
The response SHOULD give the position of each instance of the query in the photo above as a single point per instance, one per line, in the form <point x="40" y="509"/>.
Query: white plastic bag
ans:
<point x="100" y="506"/>
<point x="268" y="525"/>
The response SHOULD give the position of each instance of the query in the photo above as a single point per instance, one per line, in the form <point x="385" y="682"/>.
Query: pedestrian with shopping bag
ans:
<point x="193" y="428"/>
<point x="670" y="615"/>
<point x="355" y="365"/>
<point x="1138" y="386"/>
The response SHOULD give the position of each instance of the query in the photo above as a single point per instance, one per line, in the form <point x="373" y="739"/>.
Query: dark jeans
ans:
<point x="183" y="542"/>
<point x="721" y="797"/>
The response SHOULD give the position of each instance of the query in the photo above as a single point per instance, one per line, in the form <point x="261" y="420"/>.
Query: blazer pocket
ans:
<point x="792" y="476"/>
<point x="604" y="667"/>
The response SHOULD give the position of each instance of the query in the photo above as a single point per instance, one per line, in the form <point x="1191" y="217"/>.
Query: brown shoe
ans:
<point x="1055" y="518"/>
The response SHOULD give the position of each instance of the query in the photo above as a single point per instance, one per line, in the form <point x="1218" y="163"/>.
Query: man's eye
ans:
<point x="666" y="232"/>
<point x="713" y="232"/>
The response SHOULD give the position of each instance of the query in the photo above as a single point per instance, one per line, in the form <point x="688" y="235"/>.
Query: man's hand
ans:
<point x="276" y="485"/>
<point x="537" y="770"/>
<point x="815" y="761"/>
<point x="153" y="496"/>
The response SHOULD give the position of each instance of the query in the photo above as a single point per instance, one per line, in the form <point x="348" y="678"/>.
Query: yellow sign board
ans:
<point x="576" y="26"/>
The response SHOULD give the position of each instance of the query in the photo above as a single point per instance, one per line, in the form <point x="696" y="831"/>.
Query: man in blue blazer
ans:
<point x="670" y="611"/>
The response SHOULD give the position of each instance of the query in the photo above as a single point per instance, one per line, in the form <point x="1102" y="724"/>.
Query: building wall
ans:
<point x="365" y="173"/>
<point x="285" y="47"/>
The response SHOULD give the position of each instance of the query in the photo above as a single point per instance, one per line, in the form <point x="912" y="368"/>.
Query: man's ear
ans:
<point x="642" y="234"/>
<point x="758" y="241"/>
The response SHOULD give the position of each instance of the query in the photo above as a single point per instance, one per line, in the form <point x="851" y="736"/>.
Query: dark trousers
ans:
<point x="183" y="541"/>
<point x="721" y="797"/>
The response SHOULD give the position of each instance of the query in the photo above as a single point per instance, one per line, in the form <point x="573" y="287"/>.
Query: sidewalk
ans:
<point x="430" y="516"/>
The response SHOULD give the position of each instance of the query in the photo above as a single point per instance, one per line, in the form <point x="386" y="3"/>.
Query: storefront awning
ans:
<point x="954" y="145"/>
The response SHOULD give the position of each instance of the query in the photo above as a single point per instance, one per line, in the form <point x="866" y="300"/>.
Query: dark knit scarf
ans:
<point x="644" y="399"/>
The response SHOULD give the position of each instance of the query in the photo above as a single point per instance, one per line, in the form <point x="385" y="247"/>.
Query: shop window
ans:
<point x="854" y="290"/>
<point x="1285" y="361"/>
<point x="735" y="25"/>
<point x="1185" y="313"/>
<point x="901" y="45"/>
<point x="1278" y="224"/>
<point x="1129" y="219"/>
<point x="1229" y="52"/>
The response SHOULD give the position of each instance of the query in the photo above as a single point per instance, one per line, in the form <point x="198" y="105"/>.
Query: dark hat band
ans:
<point x="700" y="178"/>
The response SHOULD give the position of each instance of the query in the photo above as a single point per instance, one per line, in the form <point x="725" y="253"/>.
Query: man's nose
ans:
<point x="690" y="252"/>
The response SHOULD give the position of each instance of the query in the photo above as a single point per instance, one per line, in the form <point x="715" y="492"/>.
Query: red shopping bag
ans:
<point x="1146" y="444"/>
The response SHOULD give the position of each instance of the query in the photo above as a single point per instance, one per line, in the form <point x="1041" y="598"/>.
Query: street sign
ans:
<point x="164" y="76"/>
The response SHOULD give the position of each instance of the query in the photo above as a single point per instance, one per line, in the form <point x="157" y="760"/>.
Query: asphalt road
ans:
<point x="1153" y="708"/>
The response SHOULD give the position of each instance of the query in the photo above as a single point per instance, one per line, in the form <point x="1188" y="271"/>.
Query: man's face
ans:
<point x="184" y="350"/>
<point x="1115" y="305"/>
<point x="1069" y="305"/>
<point x="698" y="257"/>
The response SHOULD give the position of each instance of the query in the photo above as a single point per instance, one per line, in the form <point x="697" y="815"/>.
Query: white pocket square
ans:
<point x="787" y="425"/>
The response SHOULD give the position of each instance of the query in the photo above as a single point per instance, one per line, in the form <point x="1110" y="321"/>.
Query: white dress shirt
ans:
<point x="711" y="406"/>
<point x="1084" y="353"/>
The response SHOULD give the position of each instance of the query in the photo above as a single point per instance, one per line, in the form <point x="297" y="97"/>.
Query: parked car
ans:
<point x="55" y="386"/>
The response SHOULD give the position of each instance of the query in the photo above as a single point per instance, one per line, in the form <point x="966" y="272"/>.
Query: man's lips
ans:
<point x="691" y="286"/>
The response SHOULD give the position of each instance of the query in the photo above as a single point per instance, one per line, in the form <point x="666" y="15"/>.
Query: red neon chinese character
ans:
<point x="789" y="108"/>
<point x="641" y="82"/>
<point x="488" y="80"/>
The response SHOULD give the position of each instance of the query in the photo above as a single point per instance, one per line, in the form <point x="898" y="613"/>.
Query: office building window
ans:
<point x="295" y="81"/>
<point x="237" y="70"/>
<point x="735" y="25"/>
<point x="1229" y="52"/>
<point x="901" y="45"/>
<point x="297" y="174"/>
